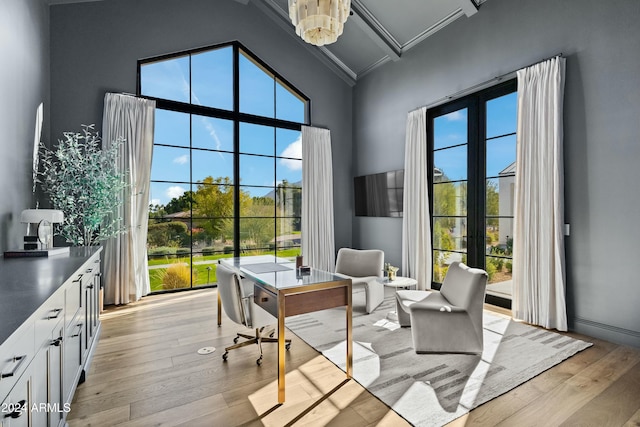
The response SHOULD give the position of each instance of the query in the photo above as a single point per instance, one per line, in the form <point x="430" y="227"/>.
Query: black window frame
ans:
<point x="475" y="104"/>
<point x="234" y="115"/>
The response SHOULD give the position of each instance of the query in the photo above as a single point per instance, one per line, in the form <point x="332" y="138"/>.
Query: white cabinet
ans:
<point x="15" y="407"/>
<point x="45" y="358"/>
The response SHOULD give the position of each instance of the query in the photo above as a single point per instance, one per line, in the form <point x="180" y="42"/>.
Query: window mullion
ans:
<point x="236" y="151"/>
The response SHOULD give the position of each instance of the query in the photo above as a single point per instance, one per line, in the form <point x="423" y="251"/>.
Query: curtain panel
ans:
<point x="318" y="243"/>
<point x="126" y="117"/>
<point x="538" y="253"/>
<point x="416" y="221"/>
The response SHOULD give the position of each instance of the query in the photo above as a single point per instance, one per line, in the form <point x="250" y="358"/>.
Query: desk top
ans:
<point x="278" y="273"/>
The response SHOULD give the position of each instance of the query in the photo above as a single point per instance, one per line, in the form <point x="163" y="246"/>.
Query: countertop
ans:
<point x="26" y="283"/>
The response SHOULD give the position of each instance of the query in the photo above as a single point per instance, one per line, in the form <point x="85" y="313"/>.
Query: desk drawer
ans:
<point x="265" y="299"/>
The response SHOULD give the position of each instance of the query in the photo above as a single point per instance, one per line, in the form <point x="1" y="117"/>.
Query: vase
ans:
<point x="392" y="275"/>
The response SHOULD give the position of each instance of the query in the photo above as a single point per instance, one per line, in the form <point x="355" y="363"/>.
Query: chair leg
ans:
<point x="257" y="339"/>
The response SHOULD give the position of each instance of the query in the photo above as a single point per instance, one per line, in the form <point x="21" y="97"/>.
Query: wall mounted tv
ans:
<point x="379" y="194"/>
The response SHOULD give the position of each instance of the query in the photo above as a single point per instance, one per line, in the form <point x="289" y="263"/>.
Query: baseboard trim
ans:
<point x="606" y="332"/>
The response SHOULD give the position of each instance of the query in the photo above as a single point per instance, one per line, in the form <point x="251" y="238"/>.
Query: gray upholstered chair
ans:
<point x="363" y="267"/>
<point x="449" y="321"/>
<point x="237" y="302"/>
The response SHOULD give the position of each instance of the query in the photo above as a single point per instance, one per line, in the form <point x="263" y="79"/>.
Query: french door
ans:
<point x="472" y="159"/>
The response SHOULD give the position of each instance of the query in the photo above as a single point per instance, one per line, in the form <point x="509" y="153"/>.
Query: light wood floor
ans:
<point x="146" y="372"/>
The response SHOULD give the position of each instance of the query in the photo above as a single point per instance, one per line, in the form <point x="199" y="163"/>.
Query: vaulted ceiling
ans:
<point x="378" y="31"/>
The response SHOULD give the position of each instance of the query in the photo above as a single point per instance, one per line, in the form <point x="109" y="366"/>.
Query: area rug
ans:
<point x="432" y="389"/>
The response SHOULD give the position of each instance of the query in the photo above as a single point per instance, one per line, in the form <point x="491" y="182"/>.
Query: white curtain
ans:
<point x="538" y="253"/>
<point x="318" y="244"/>
<point x="416" y="222"/>
<point x="126" y="277"/>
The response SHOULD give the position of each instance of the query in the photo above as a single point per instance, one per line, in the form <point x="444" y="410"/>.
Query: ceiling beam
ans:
<point x="280" y="17"/>
<point x="375" y="30"/>
<point x="469" y="7"/>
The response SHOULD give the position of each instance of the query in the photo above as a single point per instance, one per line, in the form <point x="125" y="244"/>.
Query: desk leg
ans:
<point x="219" y="309"/>
<point x="281" y="350"/>
<point x="349" y="334"/>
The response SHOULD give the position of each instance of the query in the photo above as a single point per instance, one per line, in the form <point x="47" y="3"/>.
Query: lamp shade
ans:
<point x="319" y="22"/>
<point x="34" y="216"/>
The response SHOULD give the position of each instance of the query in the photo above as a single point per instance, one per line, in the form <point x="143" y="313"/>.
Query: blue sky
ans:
<point x="211" y="139"/>
<point x="451" y="130"/>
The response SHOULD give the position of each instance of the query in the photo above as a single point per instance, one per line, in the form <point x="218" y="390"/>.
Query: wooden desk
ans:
<point x="284" y="293"/>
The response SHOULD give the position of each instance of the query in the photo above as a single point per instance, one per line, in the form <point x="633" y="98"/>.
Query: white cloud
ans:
<point x="175" y="191"/>
<point x="293" y="150"/>
<point x="456" y="116"/>
<point x="212" y="132"/>
<point x="181" y="160"/>
<point x="154" y="202"/>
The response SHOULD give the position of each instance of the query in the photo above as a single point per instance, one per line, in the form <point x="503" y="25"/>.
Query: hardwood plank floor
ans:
<point x="146" y="372"/>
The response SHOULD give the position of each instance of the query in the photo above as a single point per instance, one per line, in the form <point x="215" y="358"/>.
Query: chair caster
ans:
<point x="287" y="346"/>
<point x="225" y="356"/>
<point x="272" y="334"/>
<point x="235" y="340"/>
<point x="259" y="361"/>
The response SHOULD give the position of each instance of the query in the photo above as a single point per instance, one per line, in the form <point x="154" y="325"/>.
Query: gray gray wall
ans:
<point x="601" y="41"/>
<point x="24" y="84"/>
<point x="95" y="46"/>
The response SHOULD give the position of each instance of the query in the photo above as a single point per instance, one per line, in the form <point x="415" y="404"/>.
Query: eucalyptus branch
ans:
<point x="82" y="180"/>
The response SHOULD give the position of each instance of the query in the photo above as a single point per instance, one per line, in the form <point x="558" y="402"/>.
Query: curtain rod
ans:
<point x="486" y="83"/>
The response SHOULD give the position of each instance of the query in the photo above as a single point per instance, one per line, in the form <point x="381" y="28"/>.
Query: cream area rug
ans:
<point x="432" y="389"/>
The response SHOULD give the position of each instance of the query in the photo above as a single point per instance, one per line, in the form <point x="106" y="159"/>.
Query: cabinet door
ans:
<point x="91" y="286"/>
<point x="15" y="408"/>
<point x="39" y="392"/>
<point x="54" y="376"/>
<point x="72" y="355"/>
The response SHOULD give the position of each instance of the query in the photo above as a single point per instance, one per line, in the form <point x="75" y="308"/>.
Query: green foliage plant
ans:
<point x="81" y="179"/>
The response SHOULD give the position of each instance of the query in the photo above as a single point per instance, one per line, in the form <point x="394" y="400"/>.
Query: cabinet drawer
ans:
<point x="48" y="316"/>
<point x="15" y="355"/>
<point x="73" y="296"/>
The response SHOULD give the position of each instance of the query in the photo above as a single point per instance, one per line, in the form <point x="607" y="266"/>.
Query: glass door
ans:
<point x="450" y="190"/>
<point x="473" y="154"/>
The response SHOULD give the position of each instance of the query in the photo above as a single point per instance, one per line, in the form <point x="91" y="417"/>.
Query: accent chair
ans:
<point x="364" y="268"/>
<point x="448" y="321"/>
<point x="236" y="294"/>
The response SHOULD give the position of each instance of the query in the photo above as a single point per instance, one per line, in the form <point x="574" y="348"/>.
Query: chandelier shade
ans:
<point x="319" y="22"/>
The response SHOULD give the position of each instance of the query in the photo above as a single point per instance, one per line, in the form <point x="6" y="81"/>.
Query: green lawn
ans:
<point x="201" y="276"/>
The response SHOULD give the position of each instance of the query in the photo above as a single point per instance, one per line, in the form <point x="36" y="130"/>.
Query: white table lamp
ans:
<point x="43" y="218"/>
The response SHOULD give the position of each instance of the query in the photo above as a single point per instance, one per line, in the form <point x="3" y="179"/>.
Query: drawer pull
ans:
<point x="56" y="314"/>
<point x="264" y="299"/>
<point x="57" y="342"/>
<point x="77" y="334"/>
<point x="18" y="409"/>
<point x="20" y="360"/>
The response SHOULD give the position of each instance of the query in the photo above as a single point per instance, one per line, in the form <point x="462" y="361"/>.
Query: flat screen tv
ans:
<point x="379" y="194"/>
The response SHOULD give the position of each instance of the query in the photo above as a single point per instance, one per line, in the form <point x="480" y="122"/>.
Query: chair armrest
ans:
<point x="358" y="280"/>
<point x="435" y="302"/>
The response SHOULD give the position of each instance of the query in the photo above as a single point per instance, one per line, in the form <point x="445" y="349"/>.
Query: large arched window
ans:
<point x="227" y="162"/>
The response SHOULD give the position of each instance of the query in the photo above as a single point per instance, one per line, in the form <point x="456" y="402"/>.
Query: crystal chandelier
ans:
<point x="319" y="22"/>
